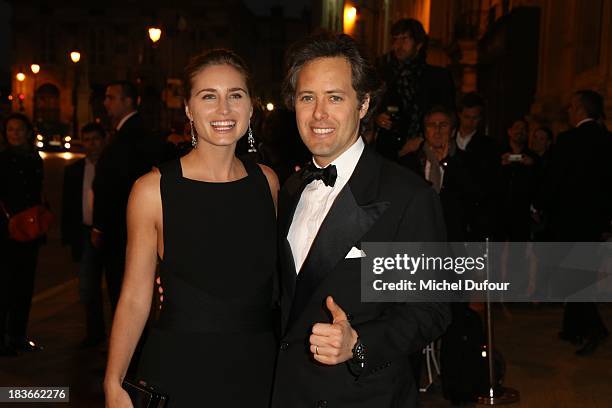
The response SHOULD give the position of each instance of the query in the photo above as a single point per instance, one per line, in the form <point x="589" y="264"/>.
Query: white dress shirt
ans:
<point x="88" y="176"/>
<point x="428" y="172"/>
<point x="315" y="202"/>
<point x="463" y="141"/>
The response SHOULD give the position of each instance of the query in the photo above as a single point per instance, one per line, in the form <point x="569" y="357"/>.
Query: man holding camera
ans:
<point x="412" y="88"/>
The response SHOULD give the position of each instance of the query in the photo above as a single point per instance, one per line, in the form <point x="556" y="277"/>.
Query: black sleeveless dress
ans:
<point x="213" y="344"/>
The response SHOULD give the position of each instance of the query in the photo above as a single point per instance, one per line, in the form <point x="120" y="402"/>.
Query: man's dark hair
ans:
<point x="592" y="102"/>
<point x="443" y="110"/>
<point x="364" y="78"/>
<point x="414" y="29"/>
<point x="471" y="100"/>
<point x="94" y="127"/>
<point x="128" y="90"/>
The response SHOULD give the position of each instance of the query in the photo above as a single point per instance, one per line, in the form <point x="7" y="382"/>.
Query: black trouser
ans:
<point x="90" y="286"/>
<point x="17" y="269"/>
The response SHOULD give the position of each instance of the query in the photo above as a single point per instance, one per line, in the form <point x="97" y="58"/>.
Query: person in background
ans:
<point x="518" y="183"/>
<point x="412" y="88"/>
<point x="482" y="159"/>
<point x="541" y="141"/>
<point x="444" y="166"/>
<point x="21" y="187"/>
<point x="131" y="152"/>
<point x="578" y="200"/>
<point x="77" y="220"/>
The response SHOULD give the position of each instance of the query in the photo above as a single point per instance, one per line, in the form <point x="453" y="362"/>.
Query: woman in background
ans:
<point x="21" y="182"/>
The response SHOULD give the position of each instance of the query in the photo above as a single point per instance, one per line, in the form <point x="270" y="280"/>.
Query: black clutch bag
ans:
<point x="143" y="396"/>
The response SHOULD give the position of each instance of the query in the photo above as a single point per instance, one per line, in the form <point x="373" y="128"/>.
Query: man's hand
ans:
<point x="333" y="343"/>
<point x="412" y="145"/>
<point x="384" y="121"/>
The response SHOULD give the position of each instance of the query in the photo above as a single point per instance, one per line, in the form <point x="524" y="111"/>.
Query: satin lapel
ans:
<point x="349" y="218"/>
<point x="289" y="199"/>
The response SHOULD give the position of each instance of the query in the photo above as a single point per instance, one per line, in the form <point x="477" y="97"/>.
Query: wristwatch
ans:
<point x="358" y="362"/>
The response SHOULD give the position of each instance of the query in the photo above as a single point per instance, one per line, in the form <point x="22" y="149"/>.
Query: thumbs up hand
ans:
<point x="333" y="343"/>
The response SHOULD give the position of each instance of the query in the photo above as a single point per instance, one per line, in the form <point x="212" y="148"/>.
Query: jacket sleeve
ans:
<point x="404" y="328"/>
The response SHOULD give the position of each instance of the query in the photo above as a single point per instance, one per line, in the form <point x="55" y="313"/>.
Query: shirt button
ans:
<point x="322" y="404"/>
<point x="284" y="346"/>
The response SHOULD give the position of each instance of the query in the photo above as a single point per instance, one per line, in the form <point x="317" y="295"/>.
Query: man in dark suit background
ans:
<point x="483" y="161"/>
<point x="412" y="88"/>
<point x="578" y="199"/>
<point x="335" y="349"/>
<point x="77" y="220"/>
<point x="131" y="152"/>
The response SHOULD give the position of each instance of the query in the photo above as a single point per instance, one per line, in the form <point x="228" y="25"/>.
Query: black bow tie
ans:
<point x="327" y="175"/>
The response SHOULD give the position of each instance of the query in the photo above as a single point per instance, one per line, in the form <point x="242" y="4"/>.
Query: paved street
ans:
<point x="543" y="369"/>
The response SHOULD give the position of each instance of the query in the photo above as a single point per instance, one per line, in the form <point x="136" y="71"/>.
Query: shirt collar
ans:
<point x="347" y="161"/>
<point x="124" y="119"/>
<point x="584" y="121"/>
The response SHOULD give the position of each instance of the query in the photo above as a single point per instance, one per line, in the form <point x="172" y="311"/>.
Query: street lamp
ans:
<point x="350" y="17"/>
<point x="35" y="70"/>
<point x="75" y="56"/>
<point x="20" y="78"/>
<point x="155" y="34"/>
<point x="270" y="106"/>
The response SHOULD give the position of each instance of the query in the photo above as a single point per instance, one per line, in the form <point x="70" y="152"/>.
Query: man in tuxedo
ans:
<point x="77" y="219"/>
<point x="578" y="200"/>
<point x="336" y="350"/>
<point x="131" y="152"/>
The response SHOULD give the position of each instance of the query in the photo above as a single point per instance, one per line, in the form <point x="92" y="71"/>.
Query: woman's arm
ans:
<point x="144" y="221"/>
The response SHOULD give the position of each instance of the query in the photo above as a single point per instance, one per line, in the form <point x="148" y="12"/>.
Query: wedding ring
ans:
<point x="317" y="350"/>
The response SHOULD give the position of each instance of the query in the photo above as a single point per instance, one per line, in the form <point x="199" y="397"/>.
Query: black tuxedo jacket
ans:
<point x="131" y="152"/>
<point x="72" y="207"/>
<point x="382" y="202"/>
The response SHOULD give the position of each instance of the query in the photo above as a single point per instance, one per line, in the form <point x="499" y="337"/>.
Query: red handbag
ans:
<point x="29" y="224"/>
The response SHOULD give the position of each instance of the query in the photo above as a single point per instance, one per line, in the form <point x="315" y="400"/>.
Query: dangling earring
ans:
<point x="194" y="139"/>
<point x="251" y="140"/>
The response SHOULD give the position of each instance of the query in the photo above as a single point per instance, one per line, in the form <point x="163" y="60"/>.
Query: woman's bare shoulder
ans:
<point x="147" y="186"/>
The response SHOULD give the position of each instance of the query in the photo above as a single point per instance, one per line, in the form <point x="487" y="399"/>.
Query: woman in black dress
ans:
<point x="21" y="182"/>
<point x="210" y="220"/>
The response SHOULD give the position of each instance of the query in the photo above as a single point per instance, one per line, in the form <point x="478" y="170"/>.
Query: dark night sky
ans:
<point x="4" y="45"/>
<point x="293" y="8"/>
